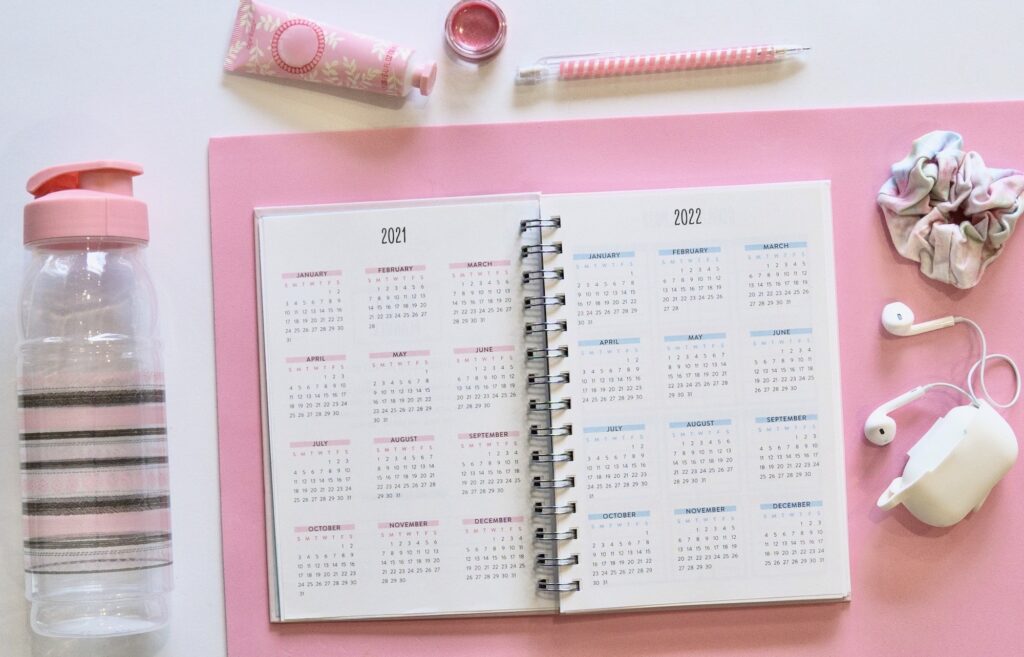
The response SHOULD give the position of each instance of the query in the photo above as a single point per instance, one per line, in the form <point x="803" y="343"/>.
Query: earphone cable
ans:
<point x="942" y="384"/>
<point x="981" y="365"/>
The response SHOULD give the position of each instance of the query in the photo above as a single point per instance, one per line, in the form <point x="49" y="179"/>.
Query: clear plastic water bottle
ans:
<point x="97" y="537"/>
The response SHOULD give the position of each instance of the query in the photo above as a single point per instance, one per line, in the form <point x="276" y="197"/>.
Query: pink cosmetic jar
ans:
<point x="475" y="29"/>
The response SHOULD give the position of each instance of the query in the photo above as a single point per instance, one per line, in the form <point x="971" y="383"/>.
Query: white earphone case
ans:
<point x="954" y="466"/>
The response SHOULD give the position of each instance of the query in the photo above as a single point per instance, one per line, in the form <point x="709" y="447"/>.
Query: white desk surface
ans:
<point x="143" y="81"/>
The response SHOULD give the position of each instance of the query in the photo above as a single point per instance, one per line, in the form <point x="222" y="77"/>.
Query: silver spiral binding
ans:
<point x="553" y="300"/>
<point x="538" y="301"/>
<point x="551" y="404"/>
<point x="545" y="560"/>
<point x="547" y="353"/>
<point x="556" y="274"/>
<point x="560" y="587"/>
<point x="551" y="432"/>
<point x="554" y="509"/>
<point x="547" y="379"/>
<point x="568" y="482"/>
<point x="554" y="248"/>
<point x="552" y="457"/>
<point x="534" y="224"/>
<point x="542" y="535"/>
<point x="545" y="327"/>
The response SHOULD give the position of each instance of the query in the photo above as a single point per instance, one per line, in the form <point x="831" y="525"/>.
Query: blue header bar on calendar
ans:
<point x="618" y="515"/>
<point x="769" y="333"/>
<point x="774" y="246"/>
<point x="613" y="428"/>
<point x="603" y="255"/>
<point x="696" y="510"/>
<point x="608" y="341"/>
<point x="772" y="419"/>
<point x="692" y="250"/>
<point x="801" y="504"/>
<point x="690" y="337"/>
<point x="692" y="424"/>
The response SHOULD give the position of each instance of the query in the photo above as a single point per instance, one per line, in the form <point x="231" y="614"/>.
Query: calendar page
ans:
<point x="395" y="411"/>
<point x="705" y="410"/>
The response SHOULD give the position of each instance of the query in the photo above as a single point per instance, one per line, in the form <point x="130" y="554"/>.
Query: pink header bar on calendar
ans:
<point x="480" y="263"/>
<point x="320" y="443"/>
<point x="399" y="269"/>
<point x="485" y="349"/>
<point x="309" y="529"/>
<point x="399" y="354"/>
<point x="403" y="439"/>
<point x="492" y="520"/>
<point x="323" y="358"/>
<point x="323" y="273"/>
<point x="408" y="524"/>
<point x="488" y="434"/>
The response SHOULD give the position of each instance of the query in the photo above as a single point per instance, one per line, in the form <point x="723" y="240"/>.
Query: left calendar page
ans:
<point x="395" y="411"/>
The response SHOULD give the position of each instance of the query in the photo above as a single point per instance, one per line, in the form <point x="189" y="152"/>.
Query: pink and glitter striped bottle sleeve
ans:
<point x="94" y="477"/>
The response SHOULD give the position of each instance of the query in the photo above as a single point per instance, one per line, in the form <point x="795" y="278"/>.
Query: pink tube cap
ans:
<point x="86" y="199"/>
<point x="424" y="77"/>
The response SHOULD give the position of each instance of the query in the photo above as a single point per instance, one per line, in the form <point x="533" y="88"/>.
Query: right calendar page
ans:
<point x="706" y="441"/>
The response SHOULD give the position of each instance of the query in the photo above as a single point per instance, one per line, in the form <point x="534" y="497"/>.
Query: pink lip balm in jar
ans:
<point x="475" y="29"/>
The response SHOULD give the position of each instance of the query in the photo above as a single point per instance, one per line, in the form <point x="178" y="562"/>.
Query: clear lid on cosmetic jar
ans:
<point x="475" y="29"/>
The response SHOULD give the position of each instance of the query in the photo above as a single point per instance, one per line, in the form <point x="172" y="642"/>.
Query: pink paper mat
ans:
<point x="916" y="590"/>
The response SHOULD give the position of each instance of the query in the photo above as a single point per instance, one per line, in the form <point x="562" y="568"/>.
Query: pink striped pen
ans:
<point x="607" y="65"/>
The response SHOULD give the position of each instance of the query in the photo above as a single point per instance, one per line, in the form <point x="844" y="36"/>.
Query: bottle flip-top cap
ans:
<point x="86" y="199"/>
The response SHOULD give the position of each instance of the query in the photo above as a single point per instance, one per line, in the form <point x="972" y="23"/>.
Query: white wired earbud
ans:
<point x="898" y="319"/>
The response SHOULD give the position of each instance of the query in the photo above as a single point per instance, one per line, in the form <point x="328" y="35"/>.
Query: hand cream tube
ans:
<point x="271" y="42"/>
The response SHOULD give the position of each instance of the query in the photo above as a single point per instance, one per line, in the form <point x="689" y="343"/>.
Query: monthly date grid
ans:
<point x="690" y="278"/>
<point x="313" y="304"/>
<point x="788" y="449"/>
<point x="703" y="454"/>
<point x="405" y="464"/>
<point x="792" y="536"/>
<point x="325" y="557"/>
<point x="606" y="287"/>
<point x="622" y="547"/>
<point x="777" y="275"/>
<point x="316" y="387"/>
<point x="617" y="460"/>
<point x="401" y="385"/>
<point x="482" y="291"/>
<point x="495" y="548"/>
<point x="782" y="361"/>
<point x="410" y="551"/>
<point x="707" y="541"/>
<point x="490" y="462"/>
<point x="610" y="371"/>
<point x="697" y="366"/>
<point x="485" y="376"/>
<point x="396" y="297"/>
<point x="321" y="471"/>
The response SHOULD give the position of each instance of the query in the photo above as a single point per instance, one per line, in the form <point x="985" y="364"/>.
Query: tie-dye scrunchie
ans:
<point x="948" y="211"/>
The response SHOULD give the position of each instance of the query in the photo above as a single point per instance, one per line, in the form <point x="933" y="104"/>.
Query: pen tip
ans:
<point x="530" y="74"/>
<point x="789" y="50"/>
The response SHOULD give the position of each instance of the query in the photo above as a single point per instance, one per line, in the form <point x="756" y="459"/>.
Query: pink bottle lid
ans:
<point x="475" y="29"/>
<point x="86" y="199"/>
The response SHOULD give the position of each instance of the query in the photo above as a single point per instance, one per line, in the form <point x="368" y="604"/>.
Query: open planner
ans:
<point x="552" y="403"/>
